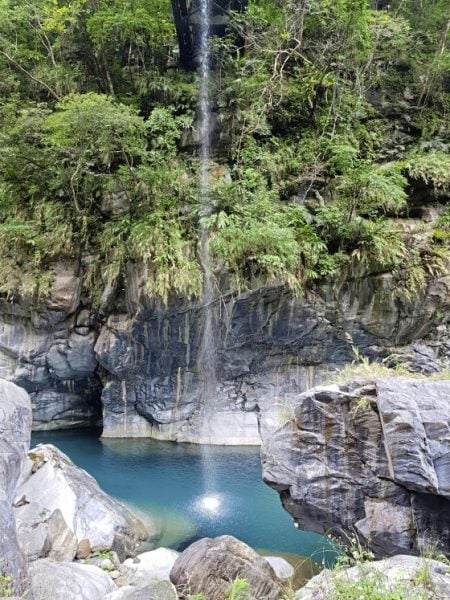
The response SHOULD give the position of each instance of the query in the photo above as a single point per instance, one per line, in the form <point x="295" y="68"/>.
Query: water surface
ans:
<point x="172" y="483"/>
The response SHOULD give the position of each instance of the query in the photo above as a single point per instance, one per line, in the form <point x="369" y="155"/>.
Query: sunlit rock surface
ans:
<point x="51" y="580"/>
<point x="369" y="456"/>
<point x="145" y="567"/>
<point x="15" y="426"/>
<point x="64" y="505"/>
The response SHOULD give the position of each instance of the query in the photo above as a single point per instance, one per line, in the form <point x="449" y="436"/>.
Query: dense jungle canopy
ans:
<point x="330" y="129"/>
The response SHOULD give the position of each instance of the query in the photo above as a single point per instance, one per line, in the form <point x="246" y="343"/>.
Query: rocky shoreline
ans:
<point x="63" y="538"/>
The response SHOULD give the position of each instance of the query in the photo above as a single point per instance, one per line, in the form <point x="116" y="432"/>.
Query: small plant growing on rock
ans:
<point x="239" y="590"/>
<point x="352" y="553"/>
<point x="371" y="585"/>
<point x="6" y="589"/>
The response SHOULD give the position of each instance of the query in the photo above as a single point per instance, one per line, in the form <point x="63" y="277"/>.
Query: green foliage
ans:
<point x="262" y="241"/>
<point x="239" y="590"/>
<point x="372" y="584"/>
<point x="432" y="167"/>
<point x="94" y="111"/>
<point x="6" y="586"/>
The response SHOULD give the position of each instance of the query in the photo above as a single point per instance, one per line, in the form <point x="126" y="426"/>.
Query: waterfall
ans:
<point x="210" y="501"/>
<point x="207" y="354"/>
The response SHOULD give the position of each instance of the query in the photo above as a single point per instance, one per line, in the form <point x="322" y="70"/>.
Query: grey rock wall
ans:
<point x="15" y="426"/>
<point x="370" y="457"/>
<point x="138" y="363"/>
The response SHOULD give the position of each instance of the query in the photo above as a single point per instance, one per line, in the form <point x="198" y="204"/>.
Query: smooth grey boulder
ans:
<point x="51" y="580"/>
<point x="147" y="566"/>
<point x="15" y="427"/>
<point x="370" y="457"/>
<point x="156" y="590"/>
<point x="64" y="506"/>
<point x="210" y="566"/>
<point x="283" y="569"/>
<point x="415" y="577"/>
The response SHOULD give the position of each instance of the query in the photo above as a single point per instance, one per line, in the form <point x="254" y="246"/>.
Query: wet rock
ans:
<point x="145" y="567"/>
<point x="69" y="581"/>
<point x="370" y="456"/>
<point x="415" y="577"/>
<point x="15" y="425"/>
<point x="210" y="566"/>
<point x="53" y="484"/>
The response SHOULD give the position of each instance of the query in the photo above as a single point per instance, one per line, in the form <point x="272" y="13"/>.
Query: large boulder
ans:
<point x="15" y="427"/>
<point x="62" y="506"/>
<point x="210" y="566"/>
<point x="397" y="577"/>
<point x="52" y="580"/>
<point x="370" y="456"/>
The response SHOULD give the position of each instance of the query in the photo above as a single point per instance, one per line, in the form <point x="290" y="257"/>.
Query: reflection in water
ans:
<point x="210" y="504"/>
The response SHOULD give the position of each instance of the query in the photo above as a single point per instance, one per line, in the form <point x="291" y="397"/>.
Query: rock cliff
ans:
<point x="137" y="363"/>
<point x="370" y="457"/>
<point x="15" y="424"/>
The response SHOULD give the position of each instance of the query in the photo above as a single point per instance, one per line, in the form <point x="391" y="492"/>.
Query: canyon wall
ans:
<point x="135" y="363"/>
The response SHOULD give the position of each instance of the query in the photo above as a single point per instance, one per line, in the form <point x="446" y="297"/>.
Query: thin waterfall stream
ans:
<point x="207" y="356"/>
<point x="208" y="349"/>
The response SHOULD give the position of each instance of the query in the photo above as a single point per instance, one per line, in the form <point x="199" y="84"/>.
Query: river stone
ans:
<point x="53" y="580"/>
<point x="156" y="590"/>
<point x="407" y="571"/>
<point x="368" y="456"/>
<point x="210" y="566"/>
<point x="83" y="549"/>
<point x="15" y="427"/>
<point x="150" y="565"/>
<point x="283" y="569"/>
<point x="51" y="482"/>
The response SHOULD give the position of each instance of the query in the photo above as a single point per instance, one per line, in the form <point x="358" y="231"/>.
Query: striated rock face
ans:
<point x="65" y="506"/>
<point x="210" y="566"/>
<point x="414" y="577"/>
<point x="139" y="362"/>
<point x="49" y="351"/>
<point x="15" y="423"/>
<point x="271" y="347"/>
<point x="371" y="457"/>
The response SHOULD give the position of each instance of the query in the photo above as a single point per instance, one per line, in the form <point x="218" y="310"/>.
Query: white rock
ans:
<point x="145" y="567"/>
<point x="282" y="568"/>
<point x="52" y="483"/>
<point x="51" y="580"/>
